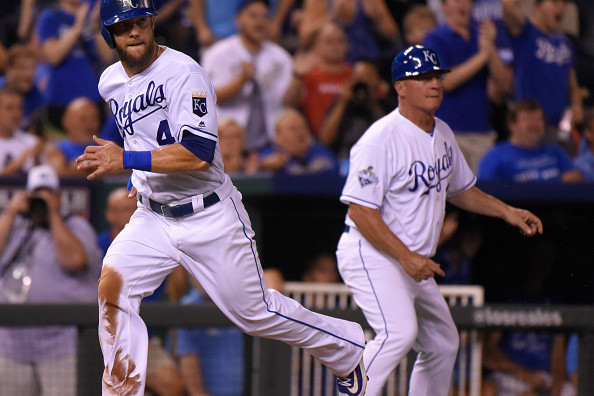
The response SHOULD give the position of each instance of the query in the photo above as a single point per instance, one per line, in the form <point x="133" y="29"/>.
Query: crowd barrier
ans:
<point x="309" y="377"/>
<point x="268" y="368"/>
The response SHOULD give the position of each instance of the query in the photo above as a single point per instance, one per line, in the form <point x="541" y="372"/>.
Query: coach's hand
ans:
<point x="528" y="223"/>
<point x="420" y="267"/>
<point x="103" y="159"/>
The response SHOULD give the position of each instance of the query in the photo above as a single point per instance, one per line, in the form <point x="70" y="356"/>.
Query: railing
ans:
<point x="308" y="376"/>
<point x="268" y="368"/>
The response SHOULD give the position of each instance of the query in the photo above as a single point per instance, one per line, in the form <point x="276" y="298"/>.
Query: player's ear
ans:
<point x="400" y="88"/>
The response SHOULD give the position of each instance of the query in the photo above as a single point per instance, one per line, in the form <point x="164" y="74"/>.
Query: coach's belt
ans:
<point x="175" y="211"/>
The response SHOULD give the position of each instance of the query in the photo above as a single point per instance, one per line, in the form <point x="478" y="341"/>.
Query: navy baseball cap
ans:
<point x="414" y="61"/>
<point x="244" y="3"/>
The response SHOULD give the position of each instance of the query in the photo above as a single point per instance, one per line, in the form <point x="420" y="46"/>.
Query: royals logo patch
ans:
<point x="199" y="103"/>
<point x="367" y="176"/>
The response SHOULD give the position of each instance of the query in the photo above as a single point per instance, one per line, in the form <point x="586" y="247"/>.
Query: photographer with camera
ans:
<point x="44" y="257"/>
<point x="364" y="99"/>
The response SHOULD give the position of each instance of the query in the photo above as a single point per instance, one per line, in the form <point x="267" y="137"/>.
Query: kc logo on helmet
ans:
<point x="129" y="4"/>
<point x="430" y="56"/>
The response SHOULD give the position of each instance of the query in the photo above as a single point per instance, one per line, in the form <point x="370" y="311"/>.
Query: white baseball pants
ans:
<point x="404" y="314"/>
<point x="216" y="246"/>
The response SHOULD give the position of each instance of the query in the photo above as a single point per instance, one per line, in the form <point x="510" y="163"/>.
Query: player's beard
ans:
<point x="134" y="62"/>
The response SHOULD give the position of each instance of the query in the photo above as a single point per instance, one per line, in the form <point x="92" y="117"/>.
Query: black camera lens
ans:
<point x="37" y="209"/>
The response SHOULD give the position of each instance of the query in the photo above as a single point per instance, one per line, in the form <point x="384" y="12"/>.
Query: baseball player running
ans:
<point x="402" y="171"/>
<point x="188" y="212"/>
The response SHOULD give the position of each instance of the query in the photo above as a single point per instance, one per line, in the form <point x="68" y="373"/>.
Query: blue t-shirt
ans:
<point x="571" y="358"/>
<point x="74" y="76"/>
<point x="466" y="108"/>
<point x="362" y="43"/>
<point x="491" y="10"/>
<point x="584" y="162"/>
<point x="531" y="350"/>
<point x="220" y="16"/>
<point x="506" y="162"/>
<point x="220" y="351"/>
<point x="541" y="65"/>
<point x="70" y="149"/>
<point x="319" y="159"/>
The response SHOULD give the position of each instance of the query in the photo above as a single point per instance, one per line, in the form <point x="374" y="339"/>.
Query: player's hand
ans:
<point x="103" y="159"/>
<point x="528" y="223"/>
<point x="420" y="267"/>
<point x="19" y="203"/>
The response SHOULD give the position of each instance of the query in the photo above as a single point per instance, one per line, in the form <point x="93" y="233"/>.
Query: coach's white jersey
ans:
<point x="154" y="108"/>
<point x="407" y="174"/>
<point x="13" y="147"/>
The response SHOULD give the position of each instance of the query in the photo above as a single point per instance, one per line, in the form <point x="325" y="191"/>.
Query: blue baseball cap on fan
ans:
<point x="244" y="3"/>
<point x="414" y="61"/>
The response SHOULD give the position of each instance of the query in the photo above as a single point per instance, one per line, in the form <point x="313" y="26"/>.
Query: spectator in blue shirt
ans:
<point x="524" y="157"/>
<point x="529" y="363"/>
<point x="71" y="42"/>
<point x="469" y="50"/>
<point x="20" y="76"/>
<point x="295" y="152"/>
<point x="544" y="59"/>
<point x="585" y="158"/>
<point x="211" y="359"/>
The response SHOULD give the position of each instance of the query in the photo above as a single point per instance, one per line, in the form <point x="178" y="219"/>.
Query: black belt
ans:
<point x="178" y="210"/>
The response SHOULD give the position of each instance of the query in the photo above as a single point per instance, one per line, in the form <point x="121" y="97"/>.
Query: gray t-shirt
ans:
<point x="49" y="283"/>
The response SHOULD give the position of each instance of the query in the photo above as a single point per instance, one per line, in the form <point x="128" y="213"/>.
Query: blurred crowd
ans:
<point x="297" y="83"/>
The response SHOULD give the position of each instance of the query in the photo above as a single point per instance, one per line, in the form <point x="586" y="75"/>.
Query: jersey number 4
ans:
<point x="164" y="134"/>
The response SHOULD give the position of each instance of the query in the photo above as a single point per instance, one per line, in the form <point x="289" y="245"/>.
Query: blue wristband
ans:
<point x="140" y="160"/>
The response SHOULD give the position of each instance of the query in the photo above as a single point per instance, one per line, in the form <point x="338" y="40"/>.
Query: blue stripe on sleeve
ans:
<point x="202" y="148"/>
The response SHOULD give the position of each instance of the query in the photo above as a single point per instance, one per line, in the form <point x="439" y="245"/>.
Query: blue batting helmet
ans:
<point x="114" y="11"/>
<point x="414" y="61"/>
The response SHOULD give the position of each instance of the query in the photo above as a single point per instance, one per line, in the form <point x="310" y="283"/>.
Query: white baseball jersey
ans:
<point x="407" y="174"/>
<point x="274" y="69"/>
<point x="213" y="243"/>
<point x="11" y="148"/>
<point x="154" y="108"/>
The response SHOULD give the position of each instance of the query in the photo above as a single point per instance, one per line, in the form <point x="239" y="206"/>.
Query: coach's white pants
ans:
<point x="404" y="314"/>
<point x="216" y="246"/>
